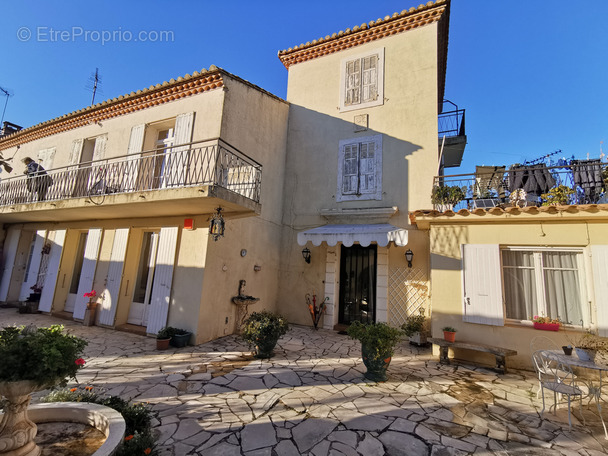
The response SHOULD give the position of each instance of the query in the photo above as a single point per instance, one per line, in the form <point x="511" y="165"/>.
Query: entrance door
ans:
<point x="138" y="312"/>
<point x="357" y="284"/>
<point x="76" y="273"/>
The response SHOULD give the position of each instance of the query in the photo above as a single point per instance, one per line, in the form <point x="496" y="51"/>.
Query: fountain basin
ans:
<point x="244" y="300"/>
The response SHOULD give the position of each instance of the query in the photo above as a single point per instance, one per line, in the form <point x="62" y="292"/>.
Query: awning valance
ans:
<point x="381" y="234"/>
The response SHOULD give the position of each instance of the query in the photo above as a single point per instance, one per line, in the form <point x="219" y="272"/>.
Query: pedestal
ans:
<point x="17" y="431"/>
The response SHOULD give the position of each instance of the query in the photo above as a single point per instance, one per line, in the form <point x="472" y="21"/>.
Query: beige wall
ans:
<point x="446" y="276"/>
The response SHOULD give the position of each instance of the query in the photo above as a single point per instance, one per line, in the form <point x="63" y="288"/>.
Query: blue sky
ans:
<point x="531" y="74"/>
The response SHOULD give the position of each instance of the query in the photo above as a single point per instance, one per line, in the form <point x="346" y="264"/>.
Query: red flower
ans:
<point x="73" y="389"/>
<point x="129" y="437"/>
<point x="148" y="451"/>
<point x="80" y="362"/>
<point x="90" y="294"/>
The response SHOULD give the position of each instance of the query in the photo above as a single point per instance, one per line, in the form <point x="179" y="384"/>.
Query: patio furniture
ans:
<point x="537" y="344"/>
<point x="557" y="376"/>
<point x="499" y="352"/>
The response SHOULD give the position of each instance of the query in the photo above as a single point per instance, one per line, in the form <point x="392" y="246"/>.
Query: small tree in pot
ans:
<point x="262" y="331"/>
<point x="378" y="341"/>
<point x="414" y="328"/>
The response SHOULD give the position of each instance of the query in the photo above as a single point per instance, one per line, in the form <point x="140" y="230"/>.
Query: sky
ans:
<point x="531" y="74"/>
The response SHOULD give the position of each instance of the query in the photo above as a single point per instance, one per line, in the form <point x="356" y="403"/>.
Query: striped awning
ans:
<point x="365" y="235"/>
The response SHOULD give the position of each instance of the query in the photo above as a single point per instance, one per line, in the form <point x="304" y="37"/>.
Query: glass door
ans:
<point x="76" y="273"/>
<point x="138" y="312"/>
<point x="357" y="284"/>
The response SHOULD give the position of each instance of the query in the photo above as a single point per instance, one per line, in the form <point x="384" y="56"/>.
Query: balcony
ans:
<point x="452" y="136"/>
<point x="576" y="182"/>
<point x="187" y="179"/>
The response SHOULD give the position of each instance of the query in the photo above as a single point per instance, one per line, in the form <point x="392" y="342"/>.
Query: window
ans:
<point x="360" y="169"/>
<point x="545" y="282"/>
<point x="362" y="81"/>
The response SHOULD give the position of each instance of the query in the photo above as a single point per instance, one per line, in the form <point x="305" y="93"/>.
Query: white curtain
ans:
<point x="520" y="285"/>
<point x="562" y="287"/>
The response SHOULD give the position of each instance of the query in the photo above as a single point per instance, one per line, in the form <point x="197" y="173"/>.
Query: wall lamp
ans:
<point x="409" y="256"/>
<point x="306" y="254"/>
<point x="217" y="226"/>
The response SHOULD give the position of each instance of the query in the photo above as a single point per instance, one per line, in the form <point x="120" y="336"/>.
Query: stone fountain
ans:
<point x="242" y="302"/>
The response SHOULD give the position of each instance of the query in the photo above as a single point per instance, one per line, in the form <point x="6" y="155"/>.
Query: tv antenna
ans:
<point x="94" y="84"/>
<point x="543" y="158"/>
<point x="8" y="94"/>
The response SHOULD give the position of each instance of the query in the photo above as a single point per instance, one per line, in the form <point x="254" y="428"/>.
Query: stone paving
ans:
<point x="312" y="399"/>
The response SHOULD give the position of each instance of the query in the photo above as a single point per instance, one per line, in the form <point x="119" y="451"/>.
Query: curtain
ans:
<point x="562" y="287"/>
<point x="520" y="285"/>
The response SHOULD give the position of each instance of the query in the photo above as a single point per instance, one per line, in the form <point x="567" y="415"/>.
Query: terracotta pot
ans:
<point x="162" y="344"/>
<point x="449" y="336"/>
<point x="376" y="365"/>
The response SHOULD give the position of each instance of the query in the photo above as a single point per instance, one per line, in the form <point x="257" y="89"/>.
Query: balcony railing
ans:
<point x="451" y="123"/>
<point x="582" y="182"/>
<point x="211" y="162"/>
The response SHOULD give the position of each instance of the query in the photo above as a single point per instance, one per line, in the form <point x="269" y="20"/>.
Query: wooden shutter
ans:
<point x="163" y="278"/>
<point x="109" y="303"/>
<point x="370" y="78"/>
<point x="76" y="151"/>
<point x="87" y="273"/>
<point x="34" y="266"/>
<point x="353" y="82"/>
<point x="482" y="284"/>
<point x="177" y="161"/>
<point x="52" y="272"/>
<point x="350" y="169"/>
<point x="8" y="261"/>
<point x="367" y="167"/>
<point x="599" y="260"/>
<point x="99" y="152"/>
<point x="136" y="144"/>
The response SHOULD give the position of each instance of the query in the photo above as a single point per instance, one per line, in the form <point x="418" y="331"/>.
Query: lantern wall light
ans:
<point x="306" y="254"/>
<point x="217" y="225"/>
<point x="409" y="256"/>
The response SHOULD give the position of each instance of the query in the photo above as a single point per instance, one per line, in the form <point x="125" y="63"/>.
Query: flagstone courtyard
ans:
<point x="311" y="398"/>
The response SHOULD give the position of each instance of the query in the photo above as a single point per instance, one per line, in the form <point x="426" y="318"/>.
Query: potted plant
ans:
<point x="163" y="336"/>
<point x="378" y="341"/>
<point x="414" y="328"/>
<point x="179" y="337"/>
<point x="589" y="345"/>
<point x="89" y="313"/>
<point x="33" y="359"/>
<point x="546" y="323"/>
<point x="558" y="196"/>
<point x="449" y="333"/>
<point x="262" y="330"/>
<point x="445" y="197"/>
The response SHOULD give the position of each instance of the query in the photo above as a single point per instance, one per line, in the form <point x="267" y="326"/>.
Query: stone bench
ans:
<point x="499" y="352"/>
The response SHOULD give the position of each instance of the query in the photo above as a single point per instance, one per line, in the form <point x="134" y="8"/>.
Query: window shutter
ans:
<point x="99" y="152"/>
<point x="50" y="279"/>
<point x="109" y="303"/>
<point x="370" y="78"/>
<point x="350" y="169"/>
<point x="482" y="284"/>
<point x="34" y="265"/>
<point x="9" y="254"/>
<point x="353" y="82"/>
<point x="46" y="157"/>
<point x="176" y="164"/>
<point x="87" y="273"/>
<point x="599" y="259"/>
<point x="76" y="151"/>
<point x="367" y="168"/>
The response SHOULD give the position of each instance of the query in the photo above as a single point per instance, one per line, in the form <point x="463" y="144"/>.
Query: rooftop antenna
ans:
<point x="7" y="94"/>
<point x="542" y="158"/>
<point x="94" y="83"/>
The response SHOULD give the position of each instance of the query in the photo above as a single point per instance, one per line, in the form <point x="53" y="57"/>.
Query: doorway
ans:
<point x="76" y="274"/>
<point x="357" y="284"/>
<point x="140" y="305"/>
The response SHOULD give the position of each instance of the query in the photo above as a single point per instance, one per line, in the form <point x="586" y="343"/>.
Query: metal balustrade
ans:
<point x="211" y="162"/>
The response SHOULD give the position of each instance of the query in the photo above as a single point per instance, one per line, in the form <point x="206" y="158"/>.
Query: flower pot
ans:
<point x="89" y="315"/>
<point x="418" y="339"/>
<point x="18" y="431"/>
<point x="162" y="344"/>
<point x="449" y="336"/>
<point x="180" y="340"/>
<point x="546" y="326"/>
<point x="376" y="364"/>
<point x="585" y="354"/>
<point x="264" y="348"/>
<point x="567" y="350"/>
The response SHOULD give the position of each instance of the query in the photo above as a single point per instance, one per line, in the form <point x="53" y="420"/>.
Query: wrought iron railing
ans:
<point x="451" y="123"/>
<point x="582" y="182"/>
<point x="211" y="162"/>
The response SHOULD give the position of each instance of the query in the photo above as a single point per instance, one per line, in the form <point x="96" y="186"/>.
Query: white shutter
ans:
<point x="34" y="267"/>
<point x="76" y="151"/>
<point x="136" y="144"/>
<point x="87" y="273"/>
<point x="46" y="157"/>
<point x="482" y="284"/>
<point x="599" y="259"/>
<point x="50" y="278"/>
<point x="353" y="82"/>
<point x="350" y="169"/>
<point x="8" y="261"/>
<point x="370" y="78"/>
<point x="163" y="278"/>
<point x="99" y="152"/>
<point x="367" y="168"/>
<point x="177" y="161"/>
<point x="109" y="303"/>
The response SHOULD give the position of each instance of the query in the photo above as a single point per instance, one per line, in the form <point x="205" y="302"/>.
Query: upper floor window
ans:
<point x="360" y="169"/>
<point x="362" y="80"/>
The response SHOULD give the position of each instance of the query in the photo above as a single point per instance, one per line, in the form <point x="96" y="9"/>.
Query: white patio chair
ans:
<point x="557" y="377"/>
<point x="541" y="343"/>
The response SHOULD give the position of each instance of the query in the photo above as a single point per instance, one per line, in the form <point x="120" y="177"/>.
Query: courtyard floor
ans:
<point x="311" y="398"/>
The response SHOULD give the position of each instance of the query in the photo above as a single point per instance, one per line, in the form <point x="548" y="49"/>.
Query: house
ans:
<point x="494" y="269"/>
<point x="334" y="169"/>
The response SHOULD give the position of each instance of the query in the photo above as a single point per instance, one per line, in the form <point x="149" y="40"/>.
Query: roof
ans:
<point x="174" y="89"/>
<point x="432" y="11"/>
<point x="423" y="218"/>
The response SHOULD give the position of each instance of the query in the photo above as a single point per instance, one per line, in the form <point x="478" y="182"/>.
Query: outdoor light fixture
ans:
<point x="306" y="254"/>
<point x="409" y="256"/>
<point x="217" y="226"/>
